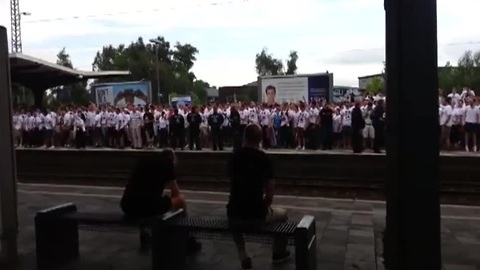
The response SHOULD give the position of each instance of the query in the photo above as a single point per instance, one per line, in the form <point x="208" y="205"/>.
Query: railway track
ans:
<point x="465" y="193"/>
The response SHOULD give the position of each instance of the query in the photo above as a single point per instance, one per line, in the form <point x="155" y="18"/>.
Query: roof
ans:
<point x="295" y="75"/>
<point x="371" y="76"/>
<point x="252" y="84"/>
<point x="37" y="73"/>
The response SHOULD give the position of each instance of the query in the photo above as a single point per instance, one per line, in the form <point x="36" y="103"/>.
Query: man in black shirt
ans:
<point x="251" y="193"/>
<point x="378" y="122"/>
<point x="235" y="125"/>
<point x="148" y="119"/>
<point x="194" y="120"/>
<point x="177" y="130"/>
<point x="358" y="124"/>
<point x="215" y="121"/>
<point x="143" y="195"/>
<point x="326" y="127"/>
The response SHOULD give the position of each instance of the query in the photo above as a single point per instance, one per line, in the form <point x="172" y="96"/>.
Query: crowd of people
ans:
<point x="355" y="125"/>
<point x="459" y="120"/>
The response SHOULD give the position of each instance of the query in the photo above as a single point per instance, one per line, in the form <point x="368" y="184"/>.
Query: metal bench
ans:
<point x="170" y="253"/>
<point x="57" y="231"/>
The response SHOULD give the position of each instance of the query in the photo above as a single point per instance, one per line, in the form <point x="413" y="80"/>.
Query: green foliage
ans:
<point x="166" y="66"/>
<point x="466" y="73"/>
<point x="74" y="93"/>
<point x="266" y="64"/>
<point x="376" y="86"/>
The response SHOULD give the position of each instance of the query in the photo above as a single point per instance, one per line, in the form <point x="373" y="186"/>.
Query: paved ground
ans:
<point x="348" y="232"/>
<point x="275" y="151"/>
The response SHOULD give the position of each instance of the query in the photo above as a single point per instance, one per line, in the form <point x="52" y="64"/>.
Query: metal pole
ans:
<point x="158" y="74"/>
<point x="413" y="232"/>
<point x="8" y="184"/>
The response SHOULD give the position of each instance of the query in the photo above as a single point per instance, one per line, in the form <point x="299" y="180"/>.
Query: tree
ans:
<point x="292" y="63"/>
<point x="171" y="65"/>
<point x="375" y="86"/>
<point x="465" y="74"/>
<point x="75" y="93"/>
<point x="266" y="64"/>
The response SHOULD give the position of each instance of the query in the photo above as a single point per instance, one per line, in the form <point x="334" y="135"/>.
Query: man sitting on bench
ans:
<point x="143" y="195"/>
<point x="251" y="193"/>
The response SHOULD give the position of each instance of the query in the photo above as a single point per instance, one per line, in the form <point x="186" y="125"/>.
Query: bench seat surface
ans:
<point x="224" y="225"/>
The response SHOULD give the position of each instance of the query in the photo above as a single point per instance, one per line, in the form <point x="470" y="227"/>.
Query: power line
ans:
<point x="154" y="10"/>
<point x="316" y="53"/>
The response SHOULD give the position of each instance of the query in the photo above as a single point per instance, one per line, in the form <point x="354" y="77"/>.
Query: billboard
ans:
<point x="180" y="101"/>
<point x="294" y="88"/>
<point x="121" y="94"/>
<point x="346" y="93"/>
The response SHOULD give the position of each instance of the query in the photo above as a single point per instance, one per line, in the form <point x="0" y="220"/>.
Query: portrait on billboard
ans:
<point x="102" y="96"/>
<point x="270" y="95"/>
<point x="130" y="96"/>
<point x="122" y="94"/>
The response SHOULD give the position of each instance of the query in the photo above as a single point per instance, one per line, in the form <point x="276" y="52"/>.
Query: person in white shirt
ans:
<point x="264" y="117"/>
<point x="68" y="133"/>
<point x="302" y="124"/>
<point x="49" y="122"/>
<point x="17" y="129"/>
<point x="368" y="131"/>
<point x="163" y="129"/>
<point x="446" y="121"/>
<point x="80" y="130"/>
<point x="111" y="128"/>
<point x="467" y="93"/>
<point x="454" y="96"/>
<point x="337" y="126"/>
<point x="136" y="122"/>
<point x="346" y="115"/>
<point x="120" y="128"/>
<point x="457" y="124"/>
<point x="39" y="128"/>
<point x="98" y="137"/>
<point x="30" y="130"/>
<point x="472" y="121"/>
<point x="312" y="132"/>
<point x="285" y="131"/>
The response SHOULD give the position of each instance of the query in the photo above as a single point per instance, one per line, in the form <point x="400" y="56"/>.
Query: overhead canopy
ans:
<point x="39" y="74"/>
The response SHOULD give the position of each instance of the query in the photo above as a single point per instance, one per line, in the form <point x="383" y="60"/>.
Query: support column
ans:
<point x="413" y="212"/>
<point x="8" y="187"/>
<point x="38" y="97"/>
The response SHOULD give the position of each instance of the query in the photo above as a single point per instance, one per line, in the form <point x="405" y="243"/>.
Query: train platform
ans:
<point x="270" y="151"/>
<point x="349" y="232"/>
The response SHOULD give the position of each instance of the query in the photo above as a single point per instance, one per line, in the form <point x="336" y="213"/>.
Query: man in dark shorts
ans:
<point x="251" y="193"/>
<point x="143" y="196"/>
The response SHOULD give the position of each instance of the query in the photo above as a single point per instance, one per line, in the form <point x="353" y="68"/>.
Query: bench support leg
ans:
<point x="56" y="238"/>
<point x="306" y="244"/>
<point x="169" y="244"/>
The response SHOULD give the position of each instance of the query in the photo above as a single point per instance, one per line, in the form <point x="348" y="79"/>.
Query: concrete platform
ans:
<point x="336" y="171"/>
<point x="348" y="231"/>
<point x="271" y="151"/>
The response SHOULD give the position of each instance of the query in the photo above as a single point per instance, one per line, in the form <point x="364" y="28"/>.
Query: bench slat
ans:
<point x="223" y="225"/>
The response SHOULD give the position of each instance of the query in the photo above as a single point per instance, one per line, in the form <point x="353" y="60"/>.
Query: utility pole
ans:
<point x="16" y="31"/>
<point x="157" y="62"/>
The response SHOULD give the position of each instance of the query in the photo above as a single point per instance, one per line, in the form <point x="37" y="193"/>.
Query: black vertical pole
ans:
<point x="8" y="176"/>
<point x="413" y="211"/>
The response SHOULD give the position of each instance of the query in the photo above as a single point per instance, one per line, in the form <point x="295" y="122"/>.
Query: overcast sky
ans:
<point x="345" y="37"/>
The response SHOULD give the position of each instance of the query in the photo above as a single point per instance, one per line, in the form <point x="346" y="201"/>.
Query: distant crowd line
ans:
<point x="291" y="125"/>
<point x="299" y="125"/>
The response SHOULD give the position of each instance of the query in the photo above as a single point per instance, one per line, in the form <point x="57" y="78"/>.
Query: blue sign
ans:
<point x="123" y="94"/>
<point x="319" y="87"/>
<point x="181" y="101"/>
